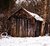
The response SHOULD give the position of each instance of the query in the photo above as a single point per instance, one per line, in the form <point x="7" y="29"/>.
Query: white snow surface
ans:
<point x="36" y="16"/>
<point x="25" y="41"/>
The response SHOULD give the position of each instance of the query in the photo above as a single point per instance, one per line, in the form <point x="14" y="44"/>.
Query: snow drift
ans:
<point x="26" y="41"/>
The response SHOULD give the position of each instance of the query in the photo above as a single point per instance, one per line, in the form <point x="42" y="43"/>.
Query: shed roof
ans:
<point x="36" y="16"/>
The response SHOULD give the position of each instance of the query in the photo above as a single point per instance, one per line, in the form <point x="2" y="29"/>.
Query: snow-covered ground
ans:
<point x="26" y="41"/>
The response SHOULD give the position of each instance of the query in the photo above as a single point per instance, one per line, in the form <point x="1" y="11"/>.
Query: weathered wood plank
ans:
<point x="26" y="27"/>
<point x="13" y="27"/>
<point x="18" y="27"/>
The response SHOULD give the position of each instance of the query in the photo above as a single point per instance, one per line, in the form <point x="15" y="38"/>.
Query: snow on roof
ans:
<point x="36" y="16"/>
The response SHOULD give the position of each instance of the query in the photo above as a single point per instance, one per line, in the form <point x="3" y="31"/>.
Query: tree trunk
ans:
<point x="44" y="16"/>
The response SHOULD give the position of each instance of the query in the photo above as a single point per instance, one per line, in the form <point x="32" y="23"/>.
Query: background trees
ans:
<point x="5" y="4"/>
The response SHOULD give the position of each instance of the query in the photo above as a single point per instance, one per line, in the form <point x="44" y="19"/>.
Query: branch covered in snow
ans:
<point x="4" y="35"/>
<point x="34" y="2"/>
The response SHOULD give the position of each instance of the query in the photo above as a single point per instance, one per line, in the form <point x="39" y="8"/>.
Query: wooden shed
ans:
<point x="24" y="24"/>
